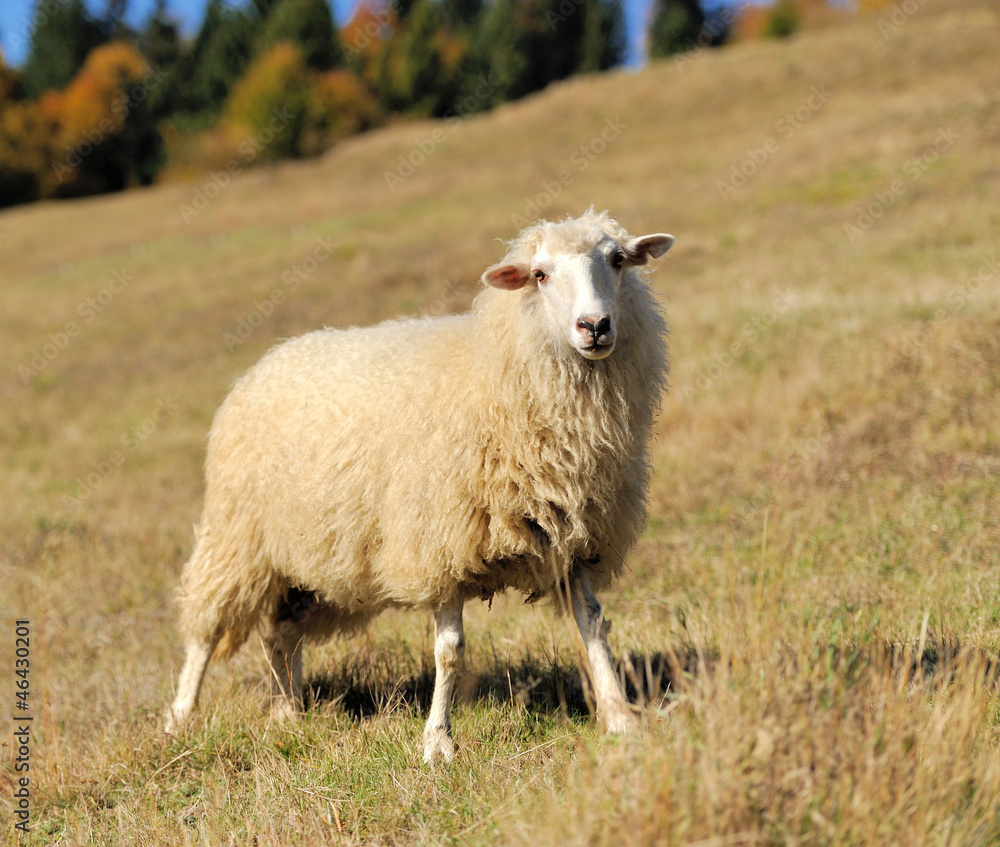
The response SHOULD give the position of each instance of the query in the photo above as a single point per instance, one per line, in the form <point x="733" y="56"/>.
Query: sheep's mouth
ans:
<point x="597" y="351"/>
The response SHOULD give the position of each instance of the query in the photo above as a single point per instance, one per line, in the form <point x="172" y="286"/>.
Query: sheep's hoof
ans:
<point x="620" y="722"/>
<point x="284" y="710"/>
<point x="438" y="746"/>
<point x="172" y="721"/>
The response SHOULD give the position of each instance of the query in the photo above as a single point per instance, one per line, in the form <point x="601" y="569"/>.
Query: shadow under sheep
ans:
<point x="368" y="684"/>
<point x="365" y="687"/>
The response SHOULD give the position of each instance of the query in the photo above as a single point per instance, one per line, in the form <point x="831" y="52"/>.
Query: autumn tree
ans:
<point x="269" y="103"/>
<point x="23" y="142"/>
<point x="364" y="36"/>
<point x="782" y="20"/>
<point x="339" y="104"/>
<point x="105" y="138"/>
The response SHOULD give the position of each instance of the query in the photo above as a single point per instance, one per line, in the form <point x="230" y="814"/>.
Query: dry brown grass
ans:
<point x="817" y="596"/>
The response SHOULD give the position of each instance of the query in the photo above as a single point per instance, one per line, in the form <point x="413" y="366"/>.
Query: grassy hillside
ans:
<point x="810" y="620"/>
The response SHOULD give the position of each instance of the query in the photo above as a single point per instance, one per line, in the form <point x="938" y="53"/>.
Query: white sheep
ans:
<point x="421" y="463"/>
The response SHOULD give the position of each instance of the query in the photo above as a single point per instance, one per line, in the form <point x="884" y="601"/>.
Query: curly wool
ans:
<point x="422" y="459"/>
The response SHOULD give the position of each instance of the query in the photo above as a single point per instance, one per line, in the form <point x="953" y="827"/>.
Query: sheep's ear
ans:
<point x="507" y="277"/>
<point x="639" y="250"/>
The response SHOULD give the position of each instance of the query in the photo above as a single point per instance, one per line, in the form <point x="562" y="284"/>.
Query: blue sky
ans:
<point x="16" y="16"/>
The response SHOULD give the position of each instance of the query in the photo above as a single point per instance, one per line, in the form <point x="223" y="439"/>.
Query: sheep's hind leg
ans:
<point x="449" y="651"/>
<point x="195" y="663"/>
<point x="284" y="651"/>
<point x="612" y="707"/>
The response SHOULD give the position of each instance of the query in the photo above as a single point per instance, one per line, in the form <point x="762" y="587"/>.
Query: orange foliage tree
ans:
<point x="754" y="22"/>
<point x="103" y="139"/>
<point x="372" y="23"/>
<point x="340" y="105"/>
<point x="750" y="23"/>
<point x="281" y="108"/>
<point x="26" y="150"/>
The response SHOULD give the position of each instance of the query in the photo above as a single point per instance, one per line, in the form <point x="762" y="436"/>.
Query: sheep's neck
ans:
<point x="555" y="417"/>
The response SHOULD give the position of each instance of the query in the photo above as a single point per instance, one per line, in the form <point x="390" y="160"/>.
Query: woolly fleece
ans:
<point x="414" y="461"/>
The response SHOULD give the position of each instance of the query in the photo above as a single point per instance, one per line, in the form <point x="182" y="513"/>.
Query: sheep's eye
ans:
<point x="617" y="260"/>
<point x="540" y="275"/>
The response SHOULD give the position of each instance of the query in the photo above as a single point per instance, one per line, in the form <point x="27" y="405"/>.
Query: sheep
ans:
<point x="420" y="463"/>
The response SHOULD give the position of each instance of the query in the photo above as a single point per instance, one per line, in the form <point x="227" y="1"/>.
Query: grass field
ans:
<point x="812" y="620"/>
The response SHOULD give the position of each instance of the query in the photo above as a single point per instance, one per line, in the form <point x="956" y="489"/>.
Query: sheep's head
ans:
<point x="576" y="269"/>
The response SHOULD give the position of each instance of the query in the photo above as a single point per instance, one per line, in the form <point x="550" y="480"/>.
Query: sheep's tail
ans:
<point x="225" y="594"/>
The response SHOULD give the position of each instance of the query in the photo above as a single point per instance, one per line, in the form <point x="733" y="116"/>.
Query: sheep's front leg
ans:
<point x="612" y="707"/>
<point x="449" y="651"/>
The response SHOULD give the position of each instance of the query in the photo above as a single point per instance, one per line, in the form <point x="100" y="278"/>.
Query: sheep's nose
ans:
<point x="597" y="326"/>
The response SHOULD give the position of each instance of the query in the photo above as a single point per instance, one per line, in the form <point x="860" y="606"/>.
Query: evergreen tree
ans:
<point x="215" y="12"/>
<point x="160" y="44"/>
<point x="262" y="8"/>
<point x="423" y="66"/>
<point x="603" y="36"/>
<point x="113" y="24"/>
<point x="141" y="151"/>
<point x="11" y="88"/>
<point x="461" y="15"/>
<point x="676" y="27"/>
<point x="557" y="36"/>
<point x="412" y="74"/>
<point x="160" y="41"/>
<point x="555" y="40"/>
<point x="309" y="25"/>
<point x="402" y="8"/>
<point x="219" y="57"/>
<point x="499" y="50"/>
<point x="718" y="27"/>
<point x="526" y="44"/>
<point x="65" y="34"/>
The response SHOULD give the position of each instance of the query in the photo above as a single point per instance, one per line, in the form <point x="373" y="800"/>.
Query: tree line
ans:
<point x="99" y="105"/>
